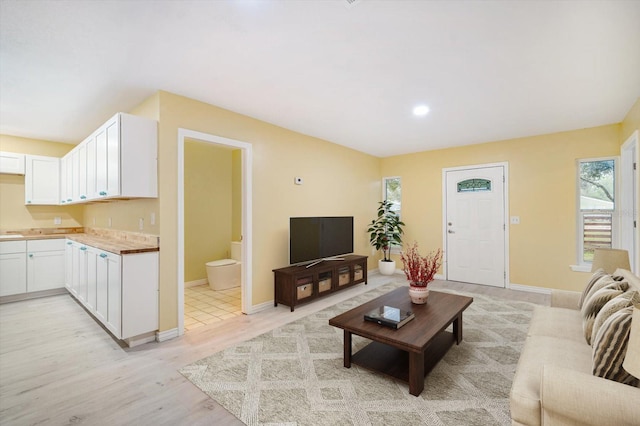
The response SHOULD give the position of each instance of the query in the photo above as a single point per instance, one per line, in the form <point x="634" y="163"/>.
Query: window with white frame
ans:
<point x="392" y="192"/>
<point x="597" y="206"/>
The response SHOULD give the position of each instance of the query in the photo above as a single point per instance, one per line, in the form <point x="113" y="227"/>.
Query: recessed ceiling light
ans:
<point x="421" y="110"/>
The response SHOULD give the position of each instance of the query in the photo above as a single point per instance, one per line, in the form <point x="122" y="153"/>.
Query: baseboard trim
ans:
<point x="33" y="295"/>
<point x="163" y="336"/>
<point x="260" y="307"/>
<point x="529" y="288"/>
<point x="196" y="283"/>
<point x="377" y="272"/>
<point x="141" y="339"/>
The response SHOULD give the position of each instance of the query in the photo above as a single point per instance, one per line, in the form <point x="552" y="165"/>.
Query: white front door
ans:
<point x="475" y="226"/>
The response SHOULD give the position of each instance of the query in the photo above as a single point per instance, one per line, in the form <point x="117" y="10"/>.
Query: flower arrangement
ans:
<point x="420" y="269"/>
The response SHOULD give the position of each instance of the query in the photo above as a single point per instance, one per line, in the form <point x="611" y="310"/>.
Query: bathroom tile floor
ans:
<point x="203" y="306"/>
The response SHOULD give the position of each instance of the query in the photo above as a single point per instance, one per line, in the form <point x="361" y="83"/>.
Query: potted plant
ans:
<point x="420" y="271"/>
<point x="385" y="231"/>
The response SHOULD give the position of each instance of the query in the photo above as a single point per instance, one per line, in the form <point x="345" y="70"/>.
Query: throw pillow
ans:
<point x="596" y="301"/>
<point x="628" y="298"/>
<point x="602" y="282"/>
<point x="594" y="278"/>
<point x="610" y="348"/>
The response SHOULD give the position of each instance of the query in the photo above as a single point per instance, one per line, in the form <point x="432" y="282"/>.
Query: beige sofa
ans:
<point x="554" y="384"/>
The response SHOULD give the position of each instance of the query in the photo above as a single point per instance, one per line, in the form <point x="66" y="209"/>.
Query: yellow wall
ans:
<point x="207" y="206"/>
<point x="14" y="214"/>
<point x="338" y="181"/>
<point x="631" y="122"/>
<point x="236" y="195"/>
<point x="125" y="214"/>
<point x="542" y="191"/>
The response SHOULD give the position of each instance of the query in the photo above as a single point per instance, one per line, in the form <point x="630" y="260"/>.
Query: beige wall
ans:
<point x="542" y="191"/>
<point x="208" y="171"/>
<point x="338" y="181"/>
<point x="14" y="214"/>
<point x="236" y="195"/>
<point x="631" y="122"/>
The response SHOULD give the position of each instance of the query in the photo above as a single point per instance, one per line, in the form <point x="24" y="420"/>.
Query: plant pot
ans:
<point x="387" y="268"/>
<point x="418" y="295"/>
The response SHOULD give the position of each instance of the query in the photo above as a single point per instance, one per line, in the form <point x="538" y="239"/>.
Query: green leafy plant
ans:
<point x="386" y="230"/>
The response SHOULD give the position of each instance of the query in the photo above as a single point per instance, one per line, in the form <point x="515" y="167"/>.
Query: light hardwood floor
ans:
<point x="59" y="367"/>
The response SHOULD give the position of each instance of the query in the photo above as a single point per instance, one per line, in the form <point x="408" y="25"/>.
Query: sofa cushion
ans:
<point x="594" y="278"/>
<point x="628" y="298"/>
<point x="557" y="322"/>
<point x="539" y="351"/>
<point x="610" y="348"/>
<point x="596" y="301"/>
<point x="602" y="282"/>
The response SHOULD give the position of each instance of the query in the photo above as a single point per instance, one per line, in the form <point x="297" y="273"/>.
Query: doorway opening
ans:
<point x="630" y="204"/>
<point x="221" y="302"/>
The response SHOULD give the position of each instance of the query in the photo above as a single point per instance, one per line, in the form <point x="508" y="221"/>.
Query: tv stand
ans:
<point x="294" y="285"/>
<point x="323" y="260"/>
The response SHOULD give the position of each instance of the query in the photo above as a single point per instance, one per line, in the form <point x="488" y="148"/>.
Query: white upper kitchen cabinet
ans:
<point x="127" y="157"/>
<point x="11" y="163"/>
<point x="75" y="172"/>
<point x="63" y="180"/>
<point x="82" y="171"/>
<point x="100" y="189"/>
<point x="91" y="167"/>
<point x="42" y="180"/>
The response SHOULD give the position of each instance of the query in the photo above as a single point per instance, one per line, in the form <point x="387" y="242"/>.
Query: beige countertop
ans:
<point x="118" y="242"/>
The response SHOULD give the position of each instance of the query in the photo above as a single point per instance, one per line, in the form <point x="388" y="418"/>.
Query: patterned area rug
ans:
<point x="293" y="375"/>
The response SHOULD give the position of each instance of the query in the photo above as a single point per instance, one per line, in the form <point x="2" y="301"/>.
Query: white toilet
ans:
<point x="225" y="273"/>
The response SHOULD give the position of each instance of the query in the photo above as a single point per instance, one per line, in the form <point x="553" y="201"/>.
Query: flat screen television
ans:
<point x="315" y="238"/>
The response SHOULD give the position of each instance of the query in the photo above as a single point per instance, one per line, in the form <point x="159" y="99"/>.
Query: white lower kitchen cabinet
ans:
<point x="110" y="265"/>
<point x="68" y="265"/>
<point x="120" y="291"/>
<point x="31" y="266"/>
<point x="92" y="277"/>
<point x="45" y="264"/>
<point x="13" y="268"/>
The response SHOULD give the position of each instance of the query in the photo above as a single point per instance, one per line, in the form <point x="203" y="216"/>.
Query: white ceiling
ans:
<point x="489" y="70"/>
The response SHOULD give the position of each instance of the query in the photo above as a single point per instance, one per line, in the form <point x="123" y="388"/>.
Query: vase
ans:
<point x="418" y="295"/>
<point x="387" y="267"/>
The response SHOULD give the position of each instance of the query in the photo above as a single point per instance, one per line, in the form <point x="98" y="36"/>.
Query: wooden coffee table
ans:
<point x="410" y="352"/>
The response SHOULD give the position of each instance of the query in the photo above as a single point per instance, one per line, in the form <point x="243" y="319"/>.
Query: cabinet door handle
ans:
<point x="103" y="255"/>
<point x="103" y="193"/>
<point x="83" y="248"/>
<point x="83" y="197"/>
<point x="69" y="243"/>
<point x="62" y="201"/>
<point x="69" y="200"/>
<point x="29" y="202"/>
<point x="30" y="254"/>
